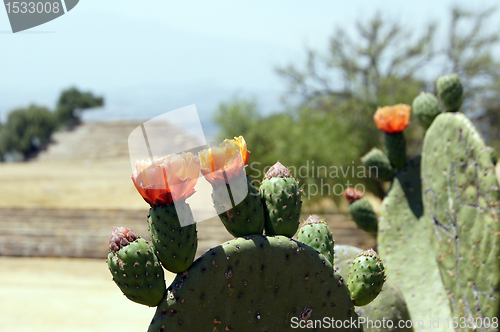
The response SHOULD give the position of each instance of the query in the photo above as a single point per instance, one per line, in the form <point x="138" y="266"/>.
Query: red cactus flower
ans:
<point x="160" y="181"/>
<point x="392" y="119"/>
<point x="352" y="195"/>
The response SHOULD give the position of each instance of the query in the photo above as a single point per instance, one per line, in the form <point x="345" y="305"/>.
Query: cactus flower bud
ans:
<point x="120" y="237"/>
<point x="352" y="195"/>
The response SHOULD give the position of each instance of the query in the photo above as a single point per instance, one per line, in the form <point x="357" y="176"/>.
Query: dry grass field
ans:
<point x="70" y="184"/>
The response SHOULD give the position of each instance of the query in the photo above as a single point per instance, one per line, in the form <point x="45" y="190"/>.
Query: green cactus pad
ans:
<point x="281" y="196"/>
<point x="247" y="217"/>
<point x="364" y="216"/>
<point x="404" y="243"/>
<point x="461" y="196"/>
<point x="175" y="245"/>
<point x="378" y="165"/>
<point x="256" y="283"/>
<point x="395" y="146"/>
<point x="316" y="234"/>
<point x="137" y="272"/>
<point x="426" y="107"/>
<point x="450" y="92"/>
<point x="389" y="305"/>
<point x="493" y="155"/>
<point x="366" y="277"/>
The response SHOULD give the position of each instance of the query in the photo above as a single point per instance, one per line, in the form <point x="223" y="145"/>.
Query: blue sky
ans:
<point x="149" y="57"/>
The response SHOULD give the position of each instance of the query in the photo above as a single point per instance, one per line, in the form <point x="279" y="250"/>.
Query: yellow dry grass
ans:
<point x="81" y="184"/>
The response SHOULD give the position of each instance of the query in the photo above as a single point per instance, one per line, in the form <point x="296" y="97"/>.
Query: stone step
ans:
<point x="85" y="233"/>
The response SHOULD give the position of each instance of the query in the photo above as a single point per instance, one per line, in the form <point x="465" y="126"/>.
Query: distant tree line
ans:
<point x="332" y="97"/>
<point x="29" y="129"/>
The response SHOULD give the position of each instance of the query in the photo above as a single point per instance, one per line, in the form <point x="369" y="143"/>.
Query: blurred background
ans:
<point x="299" y="81"/>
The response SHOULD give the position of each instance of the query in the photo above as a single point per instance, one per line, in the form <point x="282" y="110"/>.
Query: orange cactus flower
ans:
<point x="392" y="119"/>
<point x="230" y="157"/>
<point x="160" y="181"/>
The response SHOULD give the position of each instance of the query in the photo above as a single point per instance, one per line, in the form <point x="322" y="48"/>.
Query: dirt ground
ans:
<point x="61" y="295"/>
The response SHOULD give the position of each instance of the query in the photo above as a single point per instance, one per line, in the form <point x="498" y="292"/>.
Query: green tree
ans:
<point x="382" y="63"/>
<point x="72" y="103"/>
<point x="26" y="130"/>
<point x="235" y="117"/>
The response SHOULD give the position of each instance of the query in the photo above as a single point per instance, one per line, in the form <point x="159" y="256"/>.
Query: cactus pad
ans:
<point x="135" y="268"/>
<point x="426" y="107"/>
<point x="404" y="243"/>
<point x="282" y="201"/>
<point x="450" y="91"/>
<point x="244" y="218"/>
<point x="366" y="277"/>
<point x="316" y="234"/>
<point x="461" y="194"/>
<point x="256" y="283"/>
<point x="378" y="165"/>
<point x="362" y="213"/>
<point x="395" y="146"/>
<point x="389" y="305"/>
<point x="175" y="245"/>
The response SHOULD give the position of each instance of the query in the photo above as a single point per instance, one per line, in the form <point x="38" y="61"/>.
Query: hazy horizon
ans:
<point x="149" y="58"/>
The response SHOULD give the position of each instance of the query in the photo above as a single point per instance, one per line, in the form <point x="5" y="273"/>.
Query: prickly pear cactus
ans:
<point x="461" y="196"/>
<point x="135" y="268"/>
<point x="389" y="306"/>
<point x="404" y="243"/>
<point x="256" y="283"/>
<point x="175" y="245"/>
<point x="281" y="196"/>
<point x="316" y="234"/>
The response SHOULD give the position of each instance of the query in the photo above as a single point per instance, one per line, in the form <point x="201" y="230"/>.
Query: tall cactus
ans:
<point x="439" y="220"/>
<point x="404" y="242"/>
<point x="461" y="196"/>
